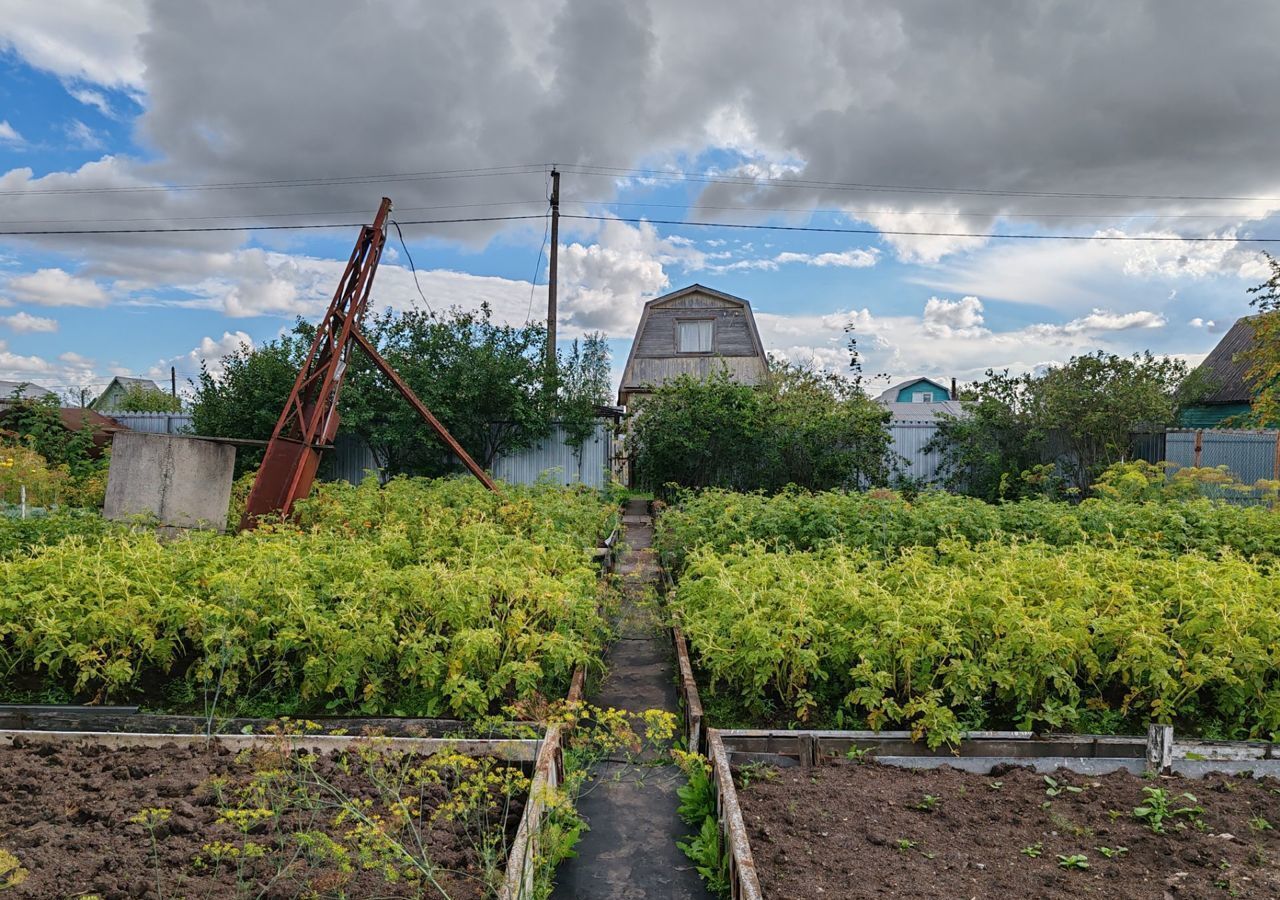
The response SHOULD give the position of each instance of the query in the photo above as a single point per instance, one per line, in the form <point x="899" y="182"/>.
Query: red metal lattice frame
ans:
<point x="309" y="421"/>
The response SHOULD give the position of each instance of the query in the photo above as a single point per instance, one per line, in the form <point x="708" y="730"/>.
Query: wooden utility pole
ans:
<point x="173" y="380"/>
<point x="551" y="276"/>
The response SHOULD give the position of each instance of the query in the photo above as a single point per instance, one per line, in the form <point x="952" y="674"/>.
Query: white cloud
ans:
<point x="606" y="282"/>
<point x="96" y="99"/>
<point x="949" y="338"/>
<point x="210" y="352"/>
<point x="25" y="323"/>
<point x="924" y="248"/>
<point x="953" y="318"/>
<point x="1101" y="320"/>
<point x="55" y="287"/>
<point x="859" y="258"/>
<point x="84" y="39"/>
<point x="14" y="366"/>
<point x="9" y="134"/>
<point x="75" y="359"/>
<point x="82" y="136"/>
<point x="846" y="259"/>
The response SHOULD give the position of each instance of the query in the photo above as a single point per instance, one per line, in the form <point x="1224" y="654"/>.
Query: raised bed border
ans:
<point x="544" y="755"/>
<point x="977" y="752"/>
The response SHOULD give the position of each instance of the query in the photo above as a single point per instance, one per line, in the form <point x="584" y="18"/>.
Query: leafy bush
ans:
<point x="884" y="522"/>
<point x="988" y="635"/>
<point x="813" y="429"/>
<point x="427" y="598"/>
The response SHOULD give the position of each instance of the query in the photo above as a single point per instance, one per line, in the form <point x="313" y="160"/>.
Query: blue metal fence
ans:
<point x="1249" y="455"/>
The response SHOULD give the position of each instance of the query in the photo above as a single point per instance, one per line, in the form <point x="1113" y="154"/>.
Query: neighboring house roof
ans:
<point x="891" y="395"/>
<point x="119" y="385"/>
<point x="74" y="418"/>
<point x="923" y="412"/>
<point x="1226" y="367"/>
<point x="653" y="358"/>
<point x="26" y="390"/>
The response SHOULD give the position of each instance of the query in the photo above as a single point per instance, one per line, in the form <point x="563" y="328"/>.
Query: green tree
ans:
<point x="38" y="423"/>
<point x="801" y="427"/>
<point x="1077" y="417"/>
<point x="1088" y="408"/>
<point x="992" y="438"/>
<point x="584" y="385"/>
<point x="245" y="399"/>
<point x="484" y="381"/>
<point x="140" y="398"/>
<point x="1264" y="359"/>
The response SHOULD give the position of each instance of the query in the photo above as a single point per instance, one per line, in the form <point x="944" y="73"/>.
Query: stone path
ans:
<point x="630" y="852"/>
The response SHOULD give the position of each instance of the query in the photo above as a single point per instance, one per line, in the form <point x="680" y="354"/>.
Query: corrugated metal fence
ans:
<point x="351" y="459"/>
<point x="908" y="439"/>
<point x="1250" y="455"/>
<point x="554" y="459"/>
<point x="155" y="423"/>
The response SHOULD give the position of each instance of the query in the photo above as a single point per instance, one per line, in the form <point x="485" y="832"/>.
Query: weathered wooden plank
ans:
<point x="692" y="702"/>
<point x="97" y="719"/>
<point x="525" y="852"/>
<point x="745" y="884"/>
<point x="514" y="750"/>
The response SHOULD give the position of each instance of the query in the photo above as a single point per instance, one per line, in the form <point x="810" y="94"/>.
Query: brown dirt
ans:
<point x="835" y="832"/>
<point x="65" y="815"/>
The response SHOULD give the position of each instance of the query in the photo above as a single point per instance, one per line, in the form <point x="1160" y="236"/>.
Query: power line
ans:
<point x="912" y="212"/>
<point x="340" y="212"/>
<point x="752" y="181"/>
<point x="412" y="267"/>
<point x="963" y="234"/>
<point x="483" y="172"/>
<point x="251" y="227"/>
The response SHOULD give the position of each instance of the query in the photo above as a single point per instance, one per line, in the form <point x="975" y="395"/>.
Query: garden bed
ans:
<point x="853" y="830"/>
<point x="277" y="816"/>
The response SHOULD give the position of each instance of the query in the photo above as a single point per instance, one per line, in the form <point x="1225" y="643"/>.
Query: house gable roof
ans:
<point x="124" y="382"/>
<point x="26" y="390"/>
<point x="1225" y="366"/>
<point x="891" y="395"/>
<point x="726" y="300"/>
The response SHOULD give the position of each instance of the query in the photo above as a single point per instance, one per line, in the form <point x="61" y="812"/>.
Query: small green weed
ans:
<point x="1158" y="808"/>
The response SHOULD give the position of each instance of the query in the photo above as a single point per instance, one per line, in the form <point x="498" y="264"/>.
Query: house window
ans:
<point x="921" y="397"/>
<point x="693" y="336"/>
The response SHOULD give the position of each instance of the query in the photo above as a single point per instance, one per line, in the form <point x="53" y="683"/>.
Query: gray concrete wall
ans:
<point x="182" y="482"/>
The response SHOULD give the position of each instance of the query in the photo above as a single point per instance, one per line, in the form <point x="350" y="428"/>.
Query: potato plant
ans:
<point x="884" y="522"/>
<point x="988" y="635"/>
<point x="424" y="598"/>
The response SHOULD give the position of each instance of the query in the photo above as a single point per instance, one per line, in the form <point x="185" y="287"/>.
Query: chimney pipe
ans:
<point x="954" y="394"/>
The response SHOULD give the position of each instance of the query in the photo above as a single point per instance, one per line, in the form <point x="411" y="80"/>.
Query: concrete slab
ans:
<point x="182" y="482"/>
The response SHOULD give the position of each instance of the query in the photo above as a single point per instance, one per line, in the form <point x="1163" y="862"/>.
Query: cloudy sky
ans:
<point x="1008" y="117"/>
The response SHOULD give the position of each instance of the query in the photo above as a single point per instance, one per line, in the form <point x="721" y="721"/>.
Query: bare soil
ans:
<point x="855" y="830"/>
<point x="68" y="815"/>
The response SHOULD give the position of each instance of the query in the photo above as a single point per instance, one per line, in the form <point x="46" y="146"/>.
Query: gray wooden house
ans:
<point x="693" y="331"/>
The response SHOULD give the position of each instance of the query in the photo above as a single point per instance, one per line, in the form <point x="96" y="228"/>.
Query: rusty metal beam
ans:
<point x="421" y="409"/>
<point x="309" y="421"/>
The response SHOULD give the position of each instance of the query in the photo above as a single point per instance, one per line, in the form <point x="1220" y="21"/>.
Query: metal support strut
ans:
<point x="309" y="421"/>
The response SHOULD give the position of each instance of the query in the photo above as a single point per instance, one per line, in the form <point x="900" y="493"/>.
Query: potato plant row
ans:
<point x="991" y="635"/>
<point x="423" y="598"/>
<point x="884" y="523"/>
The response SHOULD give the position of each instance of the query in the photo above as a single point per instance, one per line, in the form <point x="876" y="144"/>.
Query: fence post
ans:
<point x="1199" y="448"/>
<point x="1159" y="748"/>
